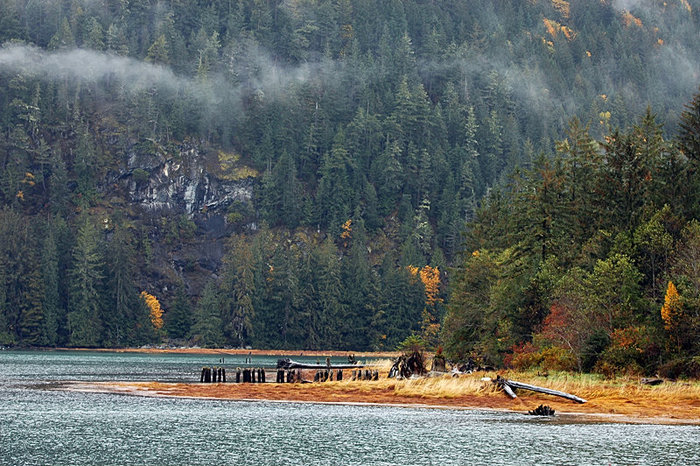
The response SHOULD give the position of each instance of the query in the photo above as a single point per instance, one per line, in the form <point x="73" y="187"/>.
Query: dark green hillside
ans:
<point x="269" y="170"/>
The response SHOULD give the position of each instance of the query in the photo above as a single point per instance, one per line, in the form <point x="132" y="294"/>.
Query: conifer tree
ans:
<point x="86" y="276"/>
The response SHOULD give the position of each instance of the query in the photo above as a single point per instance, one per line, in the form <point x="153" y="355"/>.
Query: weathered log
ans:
<point x="514" y="384"/>
<point x="651" y="381"/>
<point x="508" y="390"/>
<point x="289" y="364"/>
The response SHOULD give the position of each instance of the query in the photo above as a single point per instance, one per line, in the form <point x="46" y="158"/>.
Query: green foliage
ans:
<point x="207" y="329"/>
<point x="412" y="344"/>
<point x="178" y="318"/>
<point x="417" y="120"/>
<point x="588" y="270"/>
<point x="86" y="275"/>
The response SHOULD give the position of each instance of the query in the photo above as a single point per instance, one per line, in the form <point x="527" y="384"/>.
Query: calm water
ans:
<point x="44" y="426"/>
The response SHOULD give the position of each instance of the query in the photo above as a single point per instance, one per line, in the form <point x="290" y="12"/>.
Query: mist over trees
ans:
<point x="365" y="149"/>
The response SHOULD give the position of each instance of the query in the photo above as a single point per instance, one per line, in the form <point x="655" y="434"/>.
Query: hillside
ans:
<point x="299" y="174"/>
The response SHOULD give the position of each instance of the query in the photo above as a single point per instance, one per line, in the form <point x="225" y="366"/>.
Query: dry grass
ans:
<point x="625" y="397"/>
<point x="445" y="387"/>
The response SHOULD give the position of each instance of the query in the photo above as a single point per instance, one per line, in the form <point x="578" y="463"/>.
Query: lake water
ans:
<point x="40" y="425"/>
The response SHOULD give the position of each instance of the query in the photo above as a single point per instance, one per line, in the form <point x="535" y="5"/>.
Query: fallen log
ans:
<point x="508" y="390"/>
<point x="289" y="364"/>
<point x="525" y="386"/>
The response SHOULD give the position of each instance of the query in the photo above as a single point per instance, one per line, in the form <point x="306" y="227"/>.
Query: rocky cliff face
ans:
<point x="187" y="183"/>
<point x="182" y="182"/>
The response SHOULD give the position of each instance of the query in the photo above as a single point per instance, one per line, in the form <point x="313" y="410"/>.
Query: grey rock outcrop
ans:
<point x="182" y="182"/>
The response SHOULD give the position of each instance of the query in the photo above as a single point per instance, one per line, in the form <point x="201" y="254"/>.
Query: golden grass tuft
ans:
<point x="443" y="387"/>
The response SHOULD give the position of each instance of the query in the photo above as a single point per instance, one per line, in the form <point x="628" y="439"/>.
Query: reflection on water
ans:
<point x="53" y="427"/>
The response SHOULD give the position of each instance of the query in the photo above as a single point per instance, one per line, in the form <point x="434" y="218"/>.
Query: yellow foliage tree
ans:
<point x="156" y="312"/>
<point x="347" y="232"/>
<point x="430" y="277"/>
<point x="671" y="313"/>
<point x="671" y="310"/>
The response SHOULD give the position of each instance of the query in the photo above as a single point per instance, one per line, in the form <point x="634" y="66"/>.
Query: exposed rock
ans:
<point x="195" y="191"/>
<point x="182" y="182"/>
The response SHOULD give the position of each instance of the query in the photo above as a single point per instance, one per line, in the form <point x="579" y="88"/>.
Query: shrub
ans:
<point x="681" y="368"/>
<point x="528" y="356"/>
<point x="632" y="351"/>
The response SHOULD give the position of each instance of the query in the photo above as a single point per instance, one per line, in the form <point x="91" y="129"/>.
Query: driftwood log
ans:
<point x="289" y="364"/>
<point x="509" y="385"/>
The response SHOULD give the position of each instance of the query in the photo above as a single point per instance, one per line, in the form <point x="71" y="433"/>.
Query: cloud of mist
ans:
<point x="255" y="71"/>
<point x="627" y="4"/>
<point x="86" y="66"/>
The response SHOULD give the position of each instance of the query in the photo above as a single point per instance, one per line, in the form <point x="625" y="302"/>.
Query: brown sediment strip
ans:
<point x="605" y="407"/>
<point x="254" y="352"/>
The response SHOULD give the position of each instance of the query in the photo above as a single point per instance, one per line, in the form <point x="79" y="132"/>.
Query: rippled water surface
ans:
<point x="45" y="426"/>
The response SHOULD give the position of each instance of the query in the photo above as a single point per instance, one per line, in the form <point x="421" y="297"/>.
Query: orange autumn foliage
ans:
<point x="551" y="26"/>
<point x="630" y="20"/>
<point x="347" y="232"/>
<point x="671" y="310"/>
<point x="156" y="312"/>
<point x="430" y="277"/>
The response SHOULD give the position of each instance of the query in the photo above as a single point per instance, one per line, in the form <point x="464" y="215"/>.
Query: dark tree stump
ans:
<point x="542" y="410"/>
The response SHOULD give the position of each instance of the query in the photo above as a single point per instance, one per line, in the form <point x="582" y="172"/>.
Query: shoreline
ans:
<point x="380" y="393"/>
<point x="236" y="351"/>
<point x="620" y="399"/>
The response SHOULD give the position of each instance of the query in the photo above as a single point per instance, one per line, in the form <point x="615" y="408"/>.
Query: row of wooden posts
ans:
<point x="213" y="375"/>
<point x="253" y="375"/>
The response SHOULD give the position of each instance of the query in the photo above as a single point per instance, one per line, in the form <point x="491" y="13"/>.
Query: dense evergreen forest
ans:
<point x="513" y="180"/>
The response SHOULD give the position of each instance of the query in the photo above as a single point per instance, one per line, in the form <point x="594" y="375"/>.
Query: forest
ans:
<point x="512" y="181"/>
